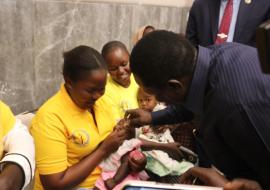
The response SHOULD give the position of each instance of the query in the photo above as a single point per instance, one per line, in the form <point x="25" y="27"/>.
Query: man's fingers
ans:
<point x="129" y="113"/>
<point x="135" y="122"/>
<point x="187" y="178"/>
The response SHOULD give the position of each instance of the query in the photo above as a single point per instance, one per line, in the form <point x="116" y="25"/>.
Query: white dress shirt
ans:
<point x="236" y="5"/>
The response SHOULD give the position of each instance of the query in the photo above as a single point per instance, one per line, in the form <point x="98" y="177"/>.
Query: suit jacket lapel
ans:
<point x="242" y="18"/>
<point x="214" y="6"/>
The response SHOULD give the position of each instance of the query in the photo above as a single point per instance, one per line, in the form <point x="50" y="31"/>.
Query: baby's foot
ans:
<point x="110" y="183"/>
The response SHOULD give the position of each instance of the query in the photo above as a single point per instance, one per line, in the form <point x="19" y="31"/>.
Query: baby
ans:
<point x="149" y="103"/>
<point x="119" y="166"/>
<point x="157" y="148"/>
<point x="163" y="160"/>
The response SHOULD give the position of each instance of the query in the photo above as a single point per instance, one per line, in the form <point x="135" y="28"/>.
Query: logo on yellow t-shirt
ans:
<point x="80" y="137"/>
<point x="125" y="105"/>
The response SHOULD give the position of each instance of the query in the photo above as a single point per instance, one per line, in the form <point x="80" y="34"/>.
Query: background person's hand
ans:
<point x="138" y="117"/>
<point x="208" y="176"/>
<point x="242" y="184"/>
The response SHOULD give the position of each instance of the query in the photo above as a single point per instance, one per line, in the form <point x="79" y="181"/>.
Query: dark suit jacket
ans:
<point x="232" y="95"/>
<point x="202" y="26"/>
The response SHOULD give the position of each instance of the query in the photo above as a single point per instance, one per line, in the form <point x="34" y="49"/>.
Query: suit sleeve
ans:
<point x="268" y="14"/>
<point x="243" y="145"/>
<point x="192" y="30"/>
<point x="171" y="115"/>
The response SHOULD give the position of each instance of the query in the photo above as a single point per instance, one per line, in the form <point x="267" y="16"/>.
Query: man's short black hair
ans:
<point x="161" y="56"/>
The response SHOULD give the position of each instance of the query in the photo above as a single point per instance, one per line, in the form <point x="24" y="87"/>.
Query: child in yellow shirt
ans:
<point x="121" y="88"/>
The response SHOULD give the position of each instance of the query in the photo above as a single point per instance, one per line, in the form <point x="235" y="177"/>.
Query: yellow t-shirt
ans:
<point x="7" y="121"/>
<point x="121" y="98"/>
<point x="64" y="134"/>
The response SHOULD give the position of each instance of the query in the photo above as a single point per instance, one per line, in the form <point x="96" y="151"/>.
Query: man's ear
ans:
<point x="68" y="82"/>
<point x="175" y="85"/>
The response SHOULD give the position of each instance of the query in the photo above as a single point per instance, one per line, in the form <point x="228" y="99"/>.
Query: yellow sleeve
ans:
<point x="50" y="143"/>
<point x="113" y="107"/>
<point x="7" y="119"/>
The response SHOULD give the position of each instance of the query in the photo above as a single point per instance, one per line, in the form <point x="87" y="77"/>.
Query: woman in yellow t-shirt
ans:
<point x="73" y="129"/>
<point x="121" y="88"/>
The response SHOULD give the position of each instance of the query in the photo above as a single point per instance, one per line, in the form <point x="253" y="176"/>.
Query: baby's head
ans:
<point x="146" y="101"/>
<point x="124" y="124"/>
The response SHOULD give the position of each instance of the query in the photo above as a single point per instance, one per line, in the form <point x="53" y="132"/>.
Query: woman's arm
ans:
<point x="18" y="164"/>
<point x="11" y="177"/>
<point x="75" y="174"/>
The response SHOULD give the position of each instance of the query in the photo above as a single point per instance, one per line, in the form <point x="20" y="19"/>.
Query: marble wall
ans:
<point x="35" y="33"/>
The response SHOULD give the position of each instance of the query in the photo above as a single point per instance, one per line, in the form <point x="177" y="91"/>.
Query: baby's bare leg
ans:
<point x="120" y="175"/>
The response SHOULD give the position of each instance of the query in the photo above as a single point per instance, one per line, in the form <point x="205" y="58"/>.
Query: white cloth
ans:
<point x="159" y="106"/>
<point x="19" y="148"/>
<point x="146" y="133"/>
<point x="25" y="118"/>
<point x="113" y="162"/>
<point x="159" y="161"/>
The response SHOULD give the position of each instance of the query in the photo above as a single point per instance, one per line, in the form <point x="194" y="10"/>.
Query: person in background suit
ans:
<point x="142" y="31"/>
<point x="206" y="21"/>
<point x="205" y="18"/>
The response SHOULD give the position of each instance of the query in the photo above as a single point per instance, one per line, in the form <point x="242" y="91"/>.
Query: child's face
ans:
<point x="118" y="66"/>
<point x="146" y="101"/>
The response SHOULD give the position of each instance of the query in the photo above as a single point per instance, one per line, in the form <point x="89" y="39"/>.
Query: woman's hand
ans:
<point x="121" y="124"/>
<point x="138" y="117"/>
<point x="208" y="176"/>
<point x="69" y="178"/>
<point x="242" y="184"/>
<point x="114" y="140"/>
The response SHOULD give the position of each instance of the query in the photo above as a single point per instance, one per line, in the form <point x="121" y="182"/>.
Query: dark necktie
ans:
<point x="225" y="23"/>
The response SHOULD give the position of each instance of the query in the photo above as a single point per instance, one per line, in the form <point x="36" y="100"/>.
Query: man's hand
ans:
<point x="12" y="177"/>
<point x="208" y="176"/>
<point x="242" y="184"/>
<point x="138" y="117"/>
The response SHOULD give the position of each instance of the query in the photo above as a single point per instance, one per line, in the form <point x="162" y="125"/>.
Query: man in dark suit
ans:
<point x="224" y="84"/>
<point x="205" y="18"/>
